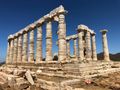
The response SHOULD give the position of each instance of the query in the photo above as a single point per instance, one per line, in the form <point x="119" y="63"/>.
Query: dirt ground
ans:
<point x="106" y="82"/>
<point x="111" y="81"/>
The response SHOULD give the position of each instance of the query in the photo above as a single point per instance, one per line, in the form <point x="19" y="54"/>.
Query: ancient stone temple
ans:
<point x="21" y="45"/>
<point x="76" y="64"/>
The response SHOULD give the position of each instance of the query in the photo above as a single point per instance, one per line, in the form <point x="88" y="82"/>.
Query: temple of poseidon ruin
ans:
<point x="18" y="45"/>
<point x="27" y="69"/>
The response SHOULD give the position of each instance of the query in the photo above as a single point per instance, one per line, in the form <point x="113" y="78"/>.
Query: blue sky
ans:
<point x="96" y="14"/>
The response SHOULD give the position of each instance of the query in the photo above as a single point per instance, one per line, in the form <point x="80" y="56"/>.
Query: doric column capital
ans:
<point x="68" y="40"/>
<point x="93" y="34"/>
<point x="82" y="28"/>
<point x="104" y="31"/>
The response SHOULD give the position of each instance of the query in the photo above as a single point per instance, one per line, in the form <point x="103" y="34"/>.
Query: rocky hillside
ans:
<point x="1" y="63"/>
<point x="114" y="57"/>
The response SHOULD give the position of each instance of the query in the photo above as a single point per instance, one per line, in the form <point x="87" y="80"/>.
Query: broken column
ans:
<point x="15" y="49"/>
<point x="80" y="42"/>
<point x="31" y="47"/>
<point x="62" y="38"/>
<point x="94" y="53"/>
<point x="88" y="46"/>
<point x="105" y="45"/>
<point x="25" y="48"/>
<point x="49" y="41"/>
<point x="39" y="45"/>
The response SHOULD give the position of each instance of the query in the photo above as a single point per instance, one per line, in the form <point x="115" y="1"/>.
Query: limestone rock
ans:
<point x="79" y="89"/>
<point x="11" y="81"/>
<point x="9" y="71"/>
<point x="3" y="78"/>
<point x="29" y="77"/>
<point x="38" y="71"/>
<point x="22" y="83"/>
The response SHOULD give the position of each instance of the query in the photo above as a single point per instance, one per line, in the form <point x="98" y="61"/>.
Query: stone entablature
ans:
<point x="52" y="15"/>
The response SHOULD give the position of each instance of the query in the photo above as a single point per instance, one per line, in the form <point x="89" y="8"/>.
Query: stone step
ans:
<point x="67" y="70"/>
<point x="88" y="64"/>
<point x="57" y="77"/>
<point x="80" y="73"/>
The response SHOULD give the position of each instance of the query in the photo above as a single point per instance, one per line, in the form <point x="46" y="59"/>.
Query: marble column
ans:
<point x="15" y="50"/>
<point x="25" y="48"/>
<point x="49" y="41"/>
<point x="11" y="50"/>
<point x="8" y="52"/>
<point x="19" y="54"/>
<point x="94" y="53"/>
<point x="105" y="45"/>
<point x="80" y="45"/>
<point x="88" y="46"/>
<point x="68" y="49"/>
<point x="31" y="47"/>
<point x="62" y="38"/>
<point x="75" y="47"/>
<point x="39" y="45"/>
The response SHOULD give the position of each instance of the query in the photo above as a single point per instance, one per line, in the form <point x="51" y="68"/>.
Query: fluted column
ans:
<point x="88" y="46"/>
<point x="94" y="53"/>
<point x="62" y="38"/>
<point x="80" y="45"/>
<point x="75" y="47"/>
<point x="11" y="50"/>
<point x="15" y="50"/>
<point x="19" y="54"/>
<point x="31" y="47"/>
<point x="39" y="45"/>
<point x="68" y="49"/>
<point x="49" y="41"/>
<point x="8" y="52"/>
<point x="25" y="48"/>
<point x="105" y="45"/>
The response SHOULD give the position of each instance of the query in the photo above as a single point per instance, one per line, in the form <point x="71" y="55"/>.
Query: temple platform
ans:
<point x="56" y="75"/>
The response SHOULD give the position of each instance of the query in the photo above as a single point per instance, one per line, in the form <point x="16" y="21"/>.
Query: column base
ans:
<point x="19" y="61"/>
<point x="31" y="62"/>
<point x="24" y="62"/>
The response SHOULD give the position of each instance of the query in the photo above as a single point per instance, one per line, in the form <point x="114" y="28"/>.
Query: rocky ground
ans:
<point x="111" y="81"/>
<point x="91" y="76"/>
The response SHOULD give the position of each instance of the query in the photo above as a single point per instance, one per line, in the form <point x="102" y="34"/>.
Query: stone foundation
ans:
<point x="55" y="76"/>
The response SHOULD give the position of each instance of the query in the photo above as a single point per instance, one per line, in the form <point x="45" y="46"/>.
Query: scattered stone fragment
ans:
<point x="29" y="77"/>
